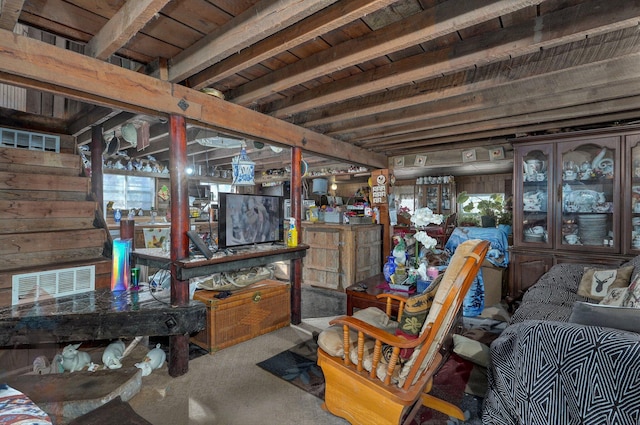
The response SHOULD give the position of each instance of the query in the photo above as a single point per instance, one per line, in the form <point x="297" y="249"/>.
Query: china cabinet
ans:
<point x="439" y="197"/>
<point x="568" y="205"/>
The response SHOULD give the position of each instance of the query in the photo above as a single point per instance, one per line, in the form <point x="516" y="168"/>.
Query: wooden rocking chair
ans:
<point x="374" y="391"/>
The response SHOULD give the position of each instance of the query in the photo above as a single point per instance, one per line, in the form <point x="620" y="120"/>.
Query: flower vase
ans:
<point x="389" y="268"/>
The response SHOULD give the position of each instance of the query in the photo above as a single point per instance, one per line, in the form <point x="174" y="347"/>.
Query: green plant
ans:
<point x="467" y="220"/>
<point x="492" y="207"/>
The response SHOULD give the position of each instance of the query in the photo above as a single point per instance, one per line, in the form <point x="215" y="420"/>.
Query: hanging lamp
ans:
<point x="242" y="169"/>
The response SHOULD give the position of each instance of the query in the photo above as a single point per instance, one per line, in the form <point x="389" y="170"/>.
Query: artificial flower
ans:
<point x="427" y="241"/>
<point x="425" y="216"/>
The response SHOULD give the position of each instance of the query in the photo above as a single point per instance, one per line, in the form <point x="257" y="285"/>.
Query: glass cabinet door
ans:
<point x="533" y="189"/>
<point x="589" y="181"/>
<point x="631" y="236"/>
<point x="432" y="192"/>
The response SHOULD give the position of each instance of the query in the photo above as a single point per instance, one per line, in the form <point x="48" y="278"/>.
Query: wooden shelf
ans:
<point x="135" y="173"/>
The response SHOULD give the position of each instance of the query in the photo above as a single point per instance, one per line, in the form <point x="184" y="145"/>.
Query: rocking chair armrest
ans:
<point x="372" y="332"/>
<point x="397" y="297"/>
<point x="390" y="298"/>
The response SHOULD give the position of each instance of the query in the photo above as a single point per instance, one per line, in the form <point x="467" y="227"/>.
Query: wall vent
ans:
<point x="31" y="287"/>
<point x="29" y="140"/>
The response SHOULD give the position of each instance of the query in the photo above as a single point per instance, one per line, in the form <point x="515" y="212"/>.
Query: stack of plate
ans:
<point x="592" y="228"/>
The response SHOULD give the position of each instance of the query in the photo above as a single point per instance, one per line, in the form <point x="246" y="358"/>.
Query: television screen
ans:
<point x="249" y="219"/>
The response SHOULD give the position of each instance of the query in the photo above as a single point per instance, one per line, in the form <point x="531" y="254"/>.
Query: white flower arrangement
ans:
<point x="425" y="216"/>
<point x="429" y="243"/>
<point x="426" y="240"/>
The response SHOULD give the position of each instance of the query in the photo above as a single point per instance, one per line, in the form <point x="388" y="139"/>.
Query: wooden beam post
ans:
<point x="295" y="272"/>
<point x="178" y="344"/>
<point x="379" y="198"/>
<point x="96" y="165"/>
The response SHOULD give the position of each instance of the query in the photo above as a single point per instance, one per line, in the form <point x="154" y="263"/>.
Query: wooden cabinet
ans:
<point x="575" y="198"/>
<point x="341" y="255"/>
<point x="439" y="197"/>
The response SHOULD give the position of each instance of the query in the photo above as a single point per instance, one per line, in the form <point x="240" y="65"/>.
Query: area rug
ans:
<point x="459" y="381"/>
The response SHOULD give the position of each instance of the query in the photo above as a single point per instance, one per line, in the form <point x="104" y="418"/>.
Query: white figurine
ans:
<point x="154" y="359"/>
<point x="73" y="360"/>
<point x="113" y="354"/>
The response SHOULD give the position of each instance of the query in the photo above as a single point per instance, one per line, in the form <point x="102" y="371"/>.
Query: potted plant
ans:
<point x="490" y="209"/>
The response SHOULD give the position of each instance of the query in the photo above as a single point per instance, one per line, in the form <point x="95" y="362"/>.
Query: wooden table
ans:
<point x="240" y="258"/>
<point x="360" y="297"/>
<point x="98" y="315"/>
<point x="244" y="257"/>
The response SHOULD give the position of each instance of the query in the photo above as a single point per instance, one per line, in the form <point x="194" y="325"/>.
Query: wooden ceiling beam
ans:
<point x="532" y="104"/>
<point x="264" y="19"/>
<point x="588" y="113"/>
<point x="9" y="13"/>
<point x="489" y="137"/>
<point x="118" y="31"/>
<point x="86" y="79"/>
<point x="331" y="18"/>
<point x="588" y="19"/>
<point x="440" y="20"/>
<point x="593" y="82"/>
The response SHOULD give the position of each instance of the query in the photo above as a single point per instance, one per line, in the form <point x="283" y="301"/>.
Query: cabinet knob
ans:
<point x="257" y="297"/>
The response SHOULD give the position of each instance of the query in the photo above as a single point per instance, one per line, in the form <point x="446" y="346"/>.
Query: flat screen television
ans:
<point x="249" y="219"/>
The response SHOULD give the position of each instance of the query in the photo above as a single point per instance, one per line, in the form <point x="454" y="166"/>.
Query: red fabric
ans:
<point x="405" y="353"/>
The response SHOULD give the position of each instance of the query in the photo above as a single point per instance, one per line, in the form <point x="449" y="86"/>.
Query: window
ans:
<point x="481" y="203"/>
<point x="129" y="192"/>
<point x="404" y="198"/>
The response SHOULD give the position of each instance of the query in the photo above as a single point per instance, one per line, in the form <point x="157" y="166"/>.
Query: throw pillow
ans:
<point x="623" y="318"/>
<point x="415" y="311"/>
<point x="615" y="297"/>
<point x="471" y="350"/>
<point x="331" y="339"/>
<point x="414" y="315"/>
<point x="632" y="298"/>
<point x="596" y="283"/>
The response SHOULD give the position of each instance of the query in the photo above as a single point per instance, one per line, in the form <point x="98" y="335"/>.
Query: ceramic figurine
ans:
<point x="113" y="354"/>
<point x="154" y="359"/>
<point x="73" y="360"/>
<point x="399" y="250"/>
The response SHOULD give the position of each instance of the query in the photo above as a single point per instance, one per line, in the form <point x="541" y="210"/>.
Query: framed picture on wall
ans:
<point x="496" y="153"/>
<point x="420" y="160"/>
<point x="469" y="155"/>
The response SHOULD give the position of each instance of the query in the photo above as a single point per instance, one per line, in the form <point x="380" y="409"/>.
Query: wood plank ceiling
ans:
<point x="351" y="81"/>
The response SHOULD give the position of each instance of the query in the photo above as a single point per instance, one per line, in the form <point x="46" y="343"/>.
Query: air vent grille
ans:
<point x="30" y="287"/>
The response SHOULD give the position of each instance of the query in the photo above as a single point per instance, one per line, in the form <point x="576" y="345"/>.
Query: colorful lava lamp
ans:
<point x="121" y="268"/>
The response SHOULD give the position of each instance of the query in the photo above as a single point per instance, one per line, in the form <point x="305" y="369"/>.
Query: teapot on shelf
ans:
<point x="570" y="170"/>
<point x="533" y="167"/>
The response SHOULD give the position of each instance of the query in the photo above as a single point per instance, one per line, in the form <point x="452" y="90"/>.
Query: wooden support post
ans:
<point x="178" y="344"/>
<point x="295" y="270"/>
<point x="96" y="165"/>
<point x="380" y="192"/>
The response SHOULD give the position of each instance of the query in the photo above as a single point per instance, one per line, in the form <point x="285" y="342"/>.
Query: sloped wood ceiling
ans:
<point x="358" y="81"/>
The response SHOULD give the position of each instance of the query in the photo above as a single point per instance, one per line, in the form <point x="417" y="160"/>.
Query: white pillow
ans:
<point x="331" y="341"/>
<point x="471" y="350"/>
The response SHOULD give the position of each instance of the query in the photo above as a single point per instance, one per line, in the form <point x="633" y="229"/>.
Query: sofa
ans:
<point x="555" y="363"/>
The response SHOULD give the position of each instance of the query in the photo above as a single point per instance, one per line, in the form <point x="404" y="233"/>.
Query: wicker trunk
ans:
<point x="255" y="310"/>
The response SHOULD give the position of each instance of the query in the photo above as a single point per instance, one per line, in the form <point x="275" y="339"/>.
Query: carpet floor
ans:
<point x="228" y="388"/>
<point x="458" y="381"/>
